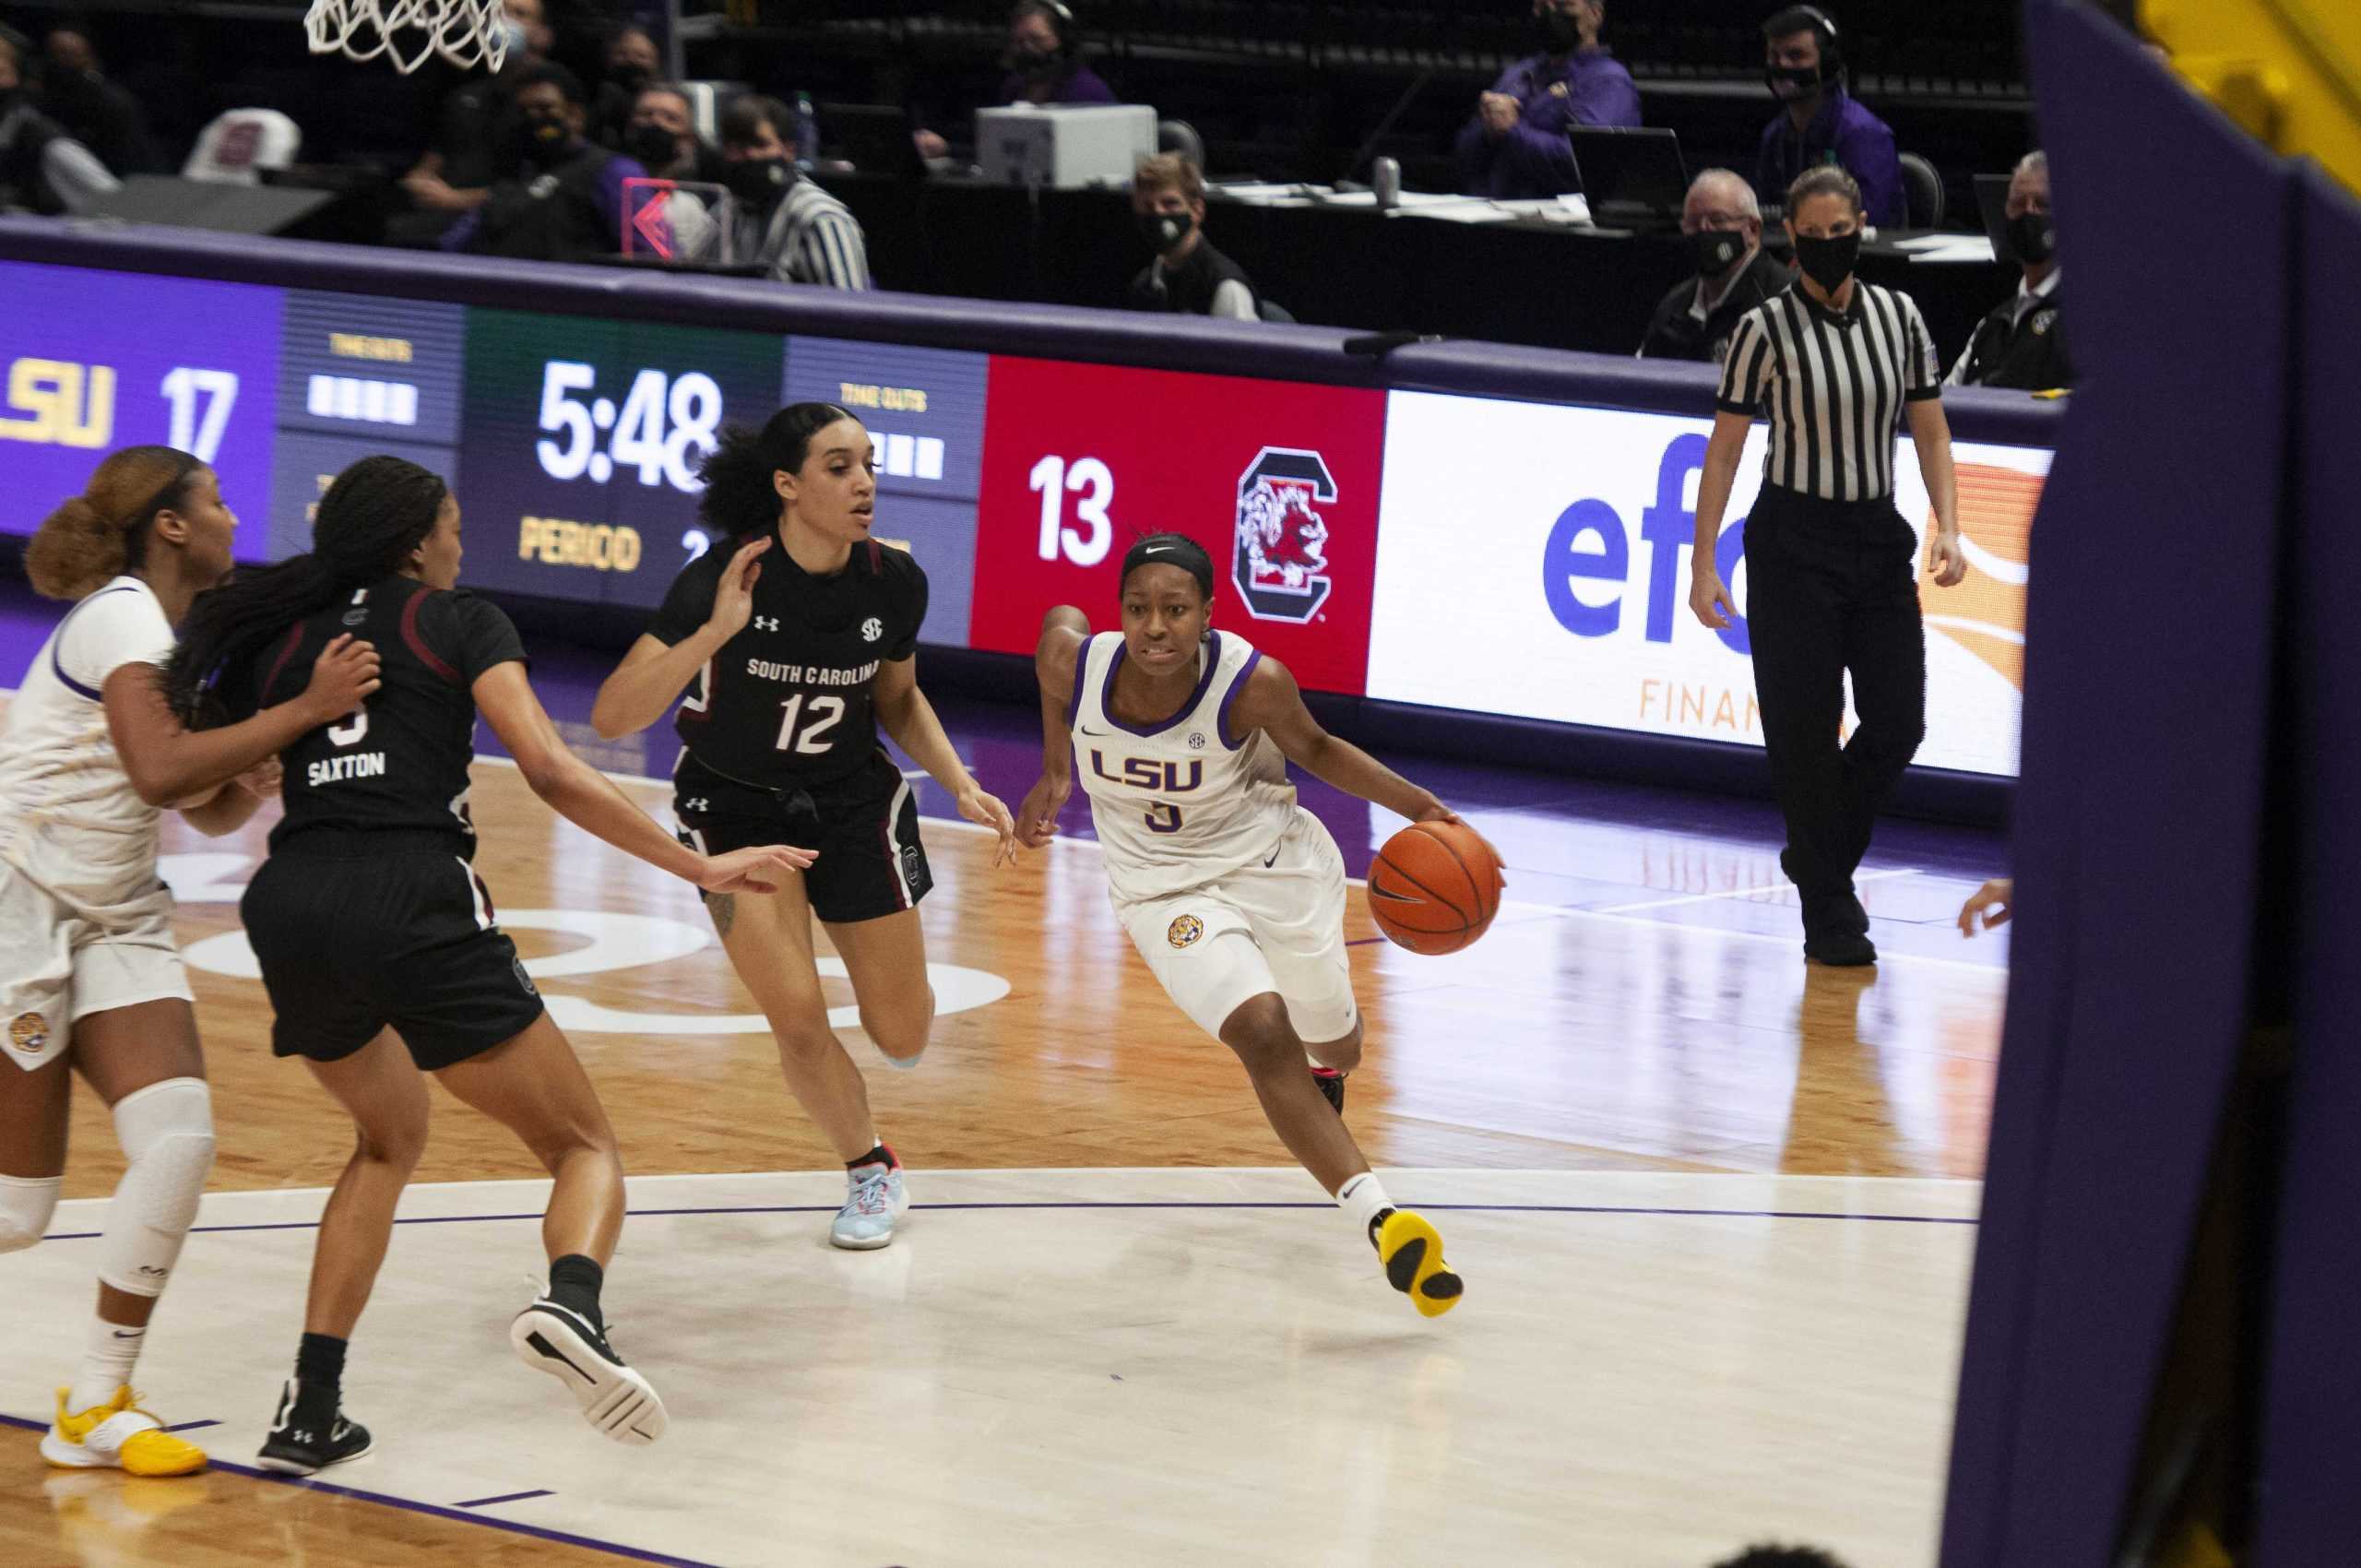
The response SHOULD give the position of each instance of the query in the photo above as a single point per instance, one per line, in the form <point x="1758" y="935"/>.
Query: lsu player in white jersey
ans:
<point x="1232" y="893"/>
<point x="90" y="977"/>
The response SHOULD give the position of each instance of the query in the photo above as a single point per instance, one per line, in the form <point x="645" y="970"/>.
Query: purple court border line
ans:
<point x="484" y="1521"/>
<point x="831" y="1208"/>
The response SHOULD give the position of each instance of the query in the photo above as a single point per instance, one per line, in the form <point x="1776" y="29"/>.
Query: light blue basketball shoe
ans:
<point x="875" y="1198"/>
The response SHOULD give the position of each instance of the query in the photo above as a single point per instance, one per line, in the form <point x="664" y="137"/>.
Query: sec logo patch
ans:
<point x="871" y="629"/>
<point x="1185" y="931"/>
<point x="29" y="1032"/>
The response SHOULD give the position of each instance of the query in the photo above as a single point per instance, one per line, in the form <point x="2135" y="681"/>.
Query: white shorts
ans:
<point x="1275" y="928"/>
<point x="56" y="967"/>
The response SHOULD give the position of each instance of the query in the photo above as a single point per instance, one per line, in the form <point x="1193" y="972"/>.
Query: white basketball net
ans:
<point x="408" y="32"/>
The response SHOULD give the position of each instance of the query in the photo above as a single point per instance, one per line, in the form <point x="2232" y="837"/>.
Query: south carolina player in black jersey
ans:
<point x="795" y="641"/>
<point x="377" y="938"/>
<point x="1232" y="893"/>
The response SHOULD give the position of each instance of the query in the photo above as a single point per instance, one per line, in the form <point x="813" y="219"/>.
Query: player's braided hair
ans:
<point x="375" y="513"/>
<point x="740" y="498"/>
<point x="102" y="532"/>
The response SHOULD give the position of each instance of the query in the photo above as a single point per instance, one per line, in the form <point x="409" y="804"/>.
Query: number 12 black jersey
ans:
<point x="786" y="704"/>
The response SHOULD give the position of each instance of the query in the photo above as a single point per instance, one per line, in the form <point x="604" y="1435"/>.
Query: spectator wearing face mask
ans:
<point x="631" y="64"/>
<point x="1187" y="276"/>
<point x="776" y="218"/>
<point x="479" y="137"/>
<point x="100" y="113"/>
<point x="1045" y="65"/>
<point x="41" y="166"/>
<point x="1819" y="122"/>
<point x="565" y="200"/>
<point x="661" y="137"/>
<point x="1515" y="147"/>
<point x="1722" y="225"/>
<point x="2022" y="343"/>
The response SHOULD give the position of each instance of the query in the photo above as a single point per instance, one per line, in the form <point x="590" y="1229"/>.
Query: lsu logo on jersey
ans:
<point x="1149" y="773"/>
<point x="1184" y="931"/>
<point x="1280" y="557"/>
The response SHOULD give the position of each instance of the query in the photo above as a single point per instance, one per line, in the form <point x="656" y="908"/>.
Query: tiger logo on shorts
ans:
<point x="29" y="1032"/>
<point x="1184" y="931"/>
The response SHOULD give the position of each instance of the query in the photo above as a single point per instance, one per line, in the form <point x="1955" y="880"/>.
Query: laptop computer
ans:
<point x="1630" y="173"/>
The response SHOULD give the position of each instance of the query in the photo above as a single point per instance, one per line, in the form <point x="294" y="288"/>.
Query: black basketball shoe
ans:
<point x="305" y="1437"/>
<point x="1332" y="1086"/>
<point x="554" y="1338"/>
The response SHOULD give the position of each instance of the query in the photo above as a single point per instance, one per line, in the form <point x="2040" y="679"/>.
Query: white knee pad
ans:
<point x="166" y="1130"/>
<point x="26" y="1204"/>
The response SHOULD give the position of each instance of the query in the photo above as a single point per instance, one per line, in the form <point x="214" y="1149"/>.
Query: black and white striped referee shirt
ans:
<point x="1833" y="387"/>
<point x="809" y="237"/>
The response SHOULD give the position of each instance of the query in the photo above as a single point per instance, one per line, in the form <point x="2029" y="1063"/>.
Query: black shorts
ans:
<point x="352" y="941"/>
<point x="865" y="828"/>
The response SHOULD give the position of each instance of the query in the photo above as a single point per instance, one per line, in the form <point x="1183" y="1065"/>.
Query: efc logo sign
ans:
<point x="59" y="403"/>
<point x="1280" y="558"/>
<point x="1589" y="543"/>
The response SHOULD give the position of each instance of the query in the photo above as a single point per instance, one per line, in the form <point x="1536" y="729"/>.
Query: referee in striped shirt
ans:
<point x="1832" y="568"/>
<point x="777" y="218"/>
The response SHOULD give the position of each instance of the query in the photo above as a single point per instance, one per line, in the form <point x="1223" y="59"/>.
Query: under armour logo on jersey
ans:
<point x="767" y="622"/>
<point x="871" y="629"/>
<point x="697" y="806"/>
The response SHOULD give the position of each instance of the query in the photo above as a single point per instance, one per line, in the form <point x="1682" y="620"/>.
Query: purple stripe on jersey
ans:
<point x="1081" y="673"/>
<point x="1229" y="700"/>
<point x="410" y="635"/>
<point x="58" y="667"/>
<point x="1204" y="683"/>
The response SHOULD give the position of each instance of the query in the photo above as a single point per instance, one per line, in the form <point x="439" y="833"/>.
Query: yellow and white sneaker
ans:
<point x="1412" y="1252"/>
<point x="117" y="1435"/>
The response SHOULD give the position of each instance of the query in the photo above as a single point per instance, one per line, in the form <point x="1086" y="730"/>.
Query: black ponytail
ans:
<point x="740" y="498"/>
<point x="376" y="513"/>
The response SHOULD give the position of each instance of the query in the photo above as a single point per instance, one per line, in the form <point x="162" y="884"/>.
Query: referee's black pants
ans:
<point x="1831" y="586"/>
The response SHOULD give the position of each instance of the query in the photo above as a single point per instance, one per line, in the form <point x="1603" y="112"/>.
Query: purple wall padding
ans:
<point x="2148" y="645"/>
<point x="2312" y="1512"/>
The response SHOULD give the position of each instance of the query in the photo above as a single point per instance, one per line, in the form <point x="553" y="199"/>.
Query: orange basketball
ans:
<point x="1434" y="887"/>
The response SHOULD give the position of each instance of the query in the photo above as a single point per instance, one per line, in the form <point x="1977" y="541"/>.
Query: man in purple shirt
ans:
<point x="1819" y="122"/>
<point x="1045" y="65"/>
<point x="1515" y="147"/>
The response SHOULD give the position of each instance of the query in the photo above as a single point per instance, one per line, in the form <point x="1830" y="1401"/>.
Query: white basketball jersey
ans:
<point x="1176" y="804"/>
<point x="69" y="819"/>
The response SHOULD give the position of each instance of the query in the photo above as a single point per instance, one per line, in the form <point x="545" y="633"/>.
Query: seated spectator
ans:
<point x="1187" y="275"/>
<point x="776" y="218"/>
<point x="661" y="137"/>
<point x="1045" y="65"/>
<point x="1723" y="224"/>
<point x="480" y="139"/>
<point x="631" y="64"/>
<point x="1515" y="147"/>
<point x="2022" y="343"/>
<point x="42" y="168"/>
<point x="566" y="199"/>
<point x="1819" y="122"/>
<point x="101" y="114"/>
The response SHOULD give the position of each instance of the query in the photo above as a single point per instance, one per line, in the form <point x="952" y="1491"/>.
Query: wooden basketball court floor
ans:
<point x="1714" y="1207"/>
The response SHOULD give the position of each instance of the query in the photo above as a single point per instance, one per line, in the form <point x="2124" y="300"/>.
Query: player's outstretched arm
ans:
<point x="1065" y="631"/>
<point x="1272" y="702"/>
<point x="590" y="801"/>
<point x="234" y="804"/>
<point x="904" y="713"/>
<point x="652" y="675"/>
<point x="169" y="763"/>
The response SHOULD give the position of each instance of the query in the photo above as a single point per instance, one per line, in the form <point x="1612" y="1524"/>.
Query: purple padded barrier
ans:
<point x="2148" y="653"/>
<point x="1165" y="342"/>
<point x="2312" y="1411"/>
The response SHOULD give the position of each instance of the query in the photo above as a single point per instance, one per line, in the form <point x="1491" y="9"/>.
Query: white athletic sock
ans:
<point x="1363" y="1199"/>
<point x="108" y="1357"/>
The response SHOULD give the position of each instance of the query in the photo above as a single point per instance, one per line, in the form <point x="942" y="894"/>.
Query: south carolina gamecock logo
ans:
<point x="29" y="1032"/>
<point x="1280" y="561"/>
<point x="1184" y="931"/>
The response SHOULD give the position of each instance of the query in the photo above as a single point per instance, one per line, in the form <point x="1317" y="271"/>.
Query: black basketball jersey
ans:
<point x="400" y="762"/>
<point x="786" y="704"/>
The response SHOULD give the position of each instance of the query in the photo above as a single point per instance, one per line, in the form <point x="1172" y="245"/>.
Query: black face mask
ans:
<point x="758" y="181"/>
<point x="1801" y="81"/>
<point x="2032" y="237"/>
<point x="1032" y="62"/>
<point x="1163" y="230"/>
<point x="547" y="139"/>
<point x="630" y="78"/>
<point x="1713" y="250"/>
<point x="652" y="145"/>
<point x="1828" y="262"/>
<point x="1560" y="32"/>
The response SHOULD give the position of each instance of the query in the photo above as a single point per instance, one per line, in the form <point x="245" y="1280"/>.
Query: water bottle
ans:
<point x="1385" y="180"/>
<point x="807" y="133"/>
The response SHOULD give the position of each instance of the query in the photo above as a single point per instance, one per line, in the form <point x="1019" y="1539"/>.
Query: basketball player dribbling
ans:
<point x="90" y="980"/>
<point x="795" y="642"/>
<point x="378" y="939"/>
<point x="1232" y="893"/>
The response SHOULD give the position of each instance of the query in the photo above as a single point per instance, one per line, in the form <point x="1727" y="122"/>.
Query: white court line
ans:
<point x="1732" y="893"/>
